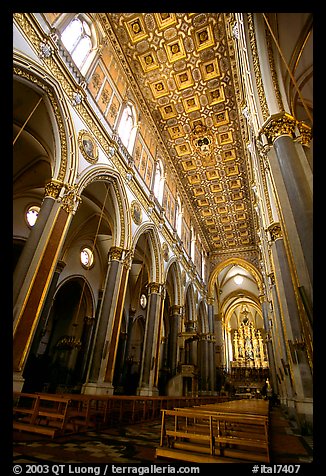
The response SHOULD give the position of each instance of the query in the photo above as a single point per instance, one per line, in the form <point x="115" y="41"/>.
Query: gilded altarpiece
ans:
<point x="248" y="347"/>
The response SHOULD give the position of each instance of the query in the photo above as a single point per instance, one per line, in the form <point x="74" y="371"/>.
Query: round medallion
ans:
<point x="136" y="213"/>
<point x="143" y="301"/>
<point x="88" y="147"/>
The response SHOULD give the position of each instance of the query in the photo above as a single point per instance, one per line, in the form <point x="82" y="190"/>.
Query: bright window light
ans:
<point x="238" y="279"/>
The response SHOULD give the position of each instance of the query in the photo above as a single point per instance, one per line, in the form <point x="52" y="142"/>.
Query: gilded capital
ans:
<point x="53" y="188"/>
<point x="271" y="277"/>
<point x="305" y="134"/>
<point x="278" y="125"/>
<point x="128" y="258"/>
<point x="115" y="253"/>
<point x="154" y="288"/>
<point x="70" y="198"/>
<point x="275" y="231"/>
<point x="175" y="310"/>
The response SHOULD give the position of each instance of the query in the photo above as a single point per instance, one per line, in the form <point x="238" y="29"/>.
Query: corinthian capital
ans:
<point x="278" y="125"/>
<point x="53" y="188"/>
<point x="70" y="199"/>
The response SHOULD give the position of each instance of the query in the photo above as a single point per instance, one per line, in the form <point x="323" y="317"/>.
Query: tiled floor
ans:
<point x="137" y="443"/>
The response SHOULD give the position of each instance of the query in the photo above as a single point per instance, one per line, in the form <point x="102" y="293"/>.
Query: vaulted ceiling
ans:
<point x="184" y="69"/>
<point x="182" y="65"/>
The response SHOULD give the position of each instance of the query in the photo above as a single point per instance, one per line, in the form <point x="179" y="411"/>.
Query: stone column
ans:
<point x="86" y="339"/>
<point x="108" y="328"/>
<point x="174" y="331"/>
<point x="205" y="365"/>
<point x="37" y="341"/>
<point x="269" y="345"/>
<point x="37" y="281"/>
<point x="149" y="367"/>
<point x="280" y="132"/>
<point x="293" y="330"/>
<point x="131" y="317"/>
<point x="212" y="365"/>
<point x="52" y="190"/>
<point x="278" y="342"/>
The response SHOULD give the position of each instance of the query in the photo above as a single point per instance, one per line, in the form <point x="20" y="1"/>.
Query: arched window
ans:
<point x="179" y="217"/>
<point x="127" y="127"/>
<point x="159" y="181"/>
<point x="77" y="38"/>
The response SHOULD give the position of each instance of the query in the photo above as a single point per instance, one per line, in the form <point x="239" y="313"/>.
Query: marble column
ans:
<point x="37" y="341"/>
<point x="37" y="281"/>
<point x="149" y="365"/>
<point x="280" y="131"/>
<point x="52" y="191"/>
<point x="205" y="366"/>
<point x="278" y="342"/>
<point x="293" y="330"/>
<point x="86" y="339"/>
<point x="108" y="327"/>
<point x="212" y="365"/>
<point x="269" y="345"/>
<point x="173" y="338"/>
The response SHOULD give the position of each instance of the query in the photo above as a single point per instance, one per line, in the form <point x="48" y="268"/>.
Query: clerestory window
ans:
<point x="77" y="38"/>
<point x="127" y="127"/>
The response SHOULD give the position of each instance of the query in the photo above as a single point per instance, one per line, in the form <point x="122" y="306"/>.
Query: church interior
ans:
<point x="162" y="206"/>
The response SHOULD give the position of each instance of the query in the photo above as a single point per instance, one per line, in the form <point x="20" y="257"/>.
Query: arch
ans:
<point x="91" y="301"/>
<point x="64" y="167"/>
<point x="156" y="268"/>
<point x="61" y="344"/>
<point x="122" y="228"/>
<point x="189" y="302"/>
<point x="173" y="269"/>
<point x="237" y="261"/>
<point x="233" y="302"/>
<point x="202" y="318"/>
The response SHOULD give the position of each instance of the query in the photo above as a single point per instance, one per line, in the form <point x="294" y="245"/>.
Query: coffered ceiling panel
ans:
<point x="183" y="67"/>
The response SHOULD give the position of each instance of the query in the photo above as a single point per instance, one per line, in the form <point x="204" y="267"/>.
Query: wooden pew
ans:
<point x="43" y="414"/>
<point x="200" y="435"/>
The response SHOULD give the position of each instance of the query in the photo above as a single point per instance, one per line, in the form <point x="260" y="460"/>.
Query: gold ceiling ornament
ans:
<point x="187" y="79"/>
<point x="202" y="139"/>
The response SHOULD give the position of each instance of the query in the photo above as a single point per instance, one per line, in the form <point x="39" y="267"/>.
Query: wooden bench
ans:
<point x="43" y="414"/>
<point x="193" y="432"/>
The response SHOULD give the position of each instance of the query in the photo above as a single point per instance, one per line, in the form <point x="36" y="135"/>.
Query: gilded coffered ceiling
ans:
<point x="183" y="65"/>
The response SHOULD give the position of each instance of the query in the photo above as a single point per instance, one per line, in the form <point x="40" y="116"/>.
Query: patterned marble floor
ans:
<point x="137" y="443"/>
